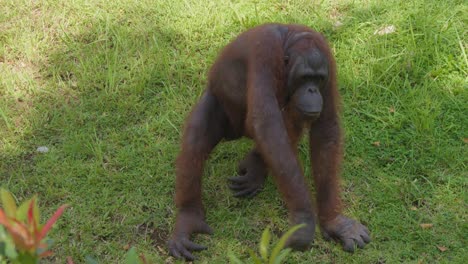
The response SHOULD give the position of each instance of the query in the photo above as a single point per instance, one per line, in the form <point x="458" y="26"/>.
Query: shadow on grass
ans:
<point x="110" y="114"/>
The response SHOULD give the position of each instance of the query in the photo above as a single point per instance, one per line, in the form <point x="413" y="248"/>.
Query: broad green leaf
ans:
<point x="2" y="251"/>
<point x="254" y="257"/>
<point x="282" y="242"/>
<point x="27" y="258"/>
<point x="22" y="212"/>
<point x="233" y="259"/>
<point x="90" y="260"/>
<point x="10" y="250"/>
<point x="7" y="246"/>
<point x="265" y="243"/>
<point x="281" y="256"/>
<point x="8" y="202"/>
<point x="3" y="234"/>
<point x="131" y="257"/>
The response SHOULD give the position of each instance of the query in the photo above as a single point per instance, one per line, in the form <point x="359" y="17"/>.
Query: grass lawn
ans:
<point x="106" y="86"/>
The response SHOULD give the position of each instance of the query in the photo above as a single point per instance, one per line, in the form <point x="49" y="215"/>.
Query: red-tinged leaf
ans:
<point x="20" y="235"/>
<point x="41" y="247"/>
<point x="426" y="226"/>
<point x="47" y="253"/>
<point x="8" y="203"/>
<point x="442" y="248"/>
<point x="33" y="224"/>
<point x="70" y="260"/>
<point x="52" y="221"/>
<point x="30" y="212"/>
<point x="3" y="218"/>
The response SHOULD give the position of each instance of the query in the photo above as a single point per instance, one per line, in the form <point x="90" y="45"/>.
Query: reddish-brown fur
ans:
<point x="247" y="96"/>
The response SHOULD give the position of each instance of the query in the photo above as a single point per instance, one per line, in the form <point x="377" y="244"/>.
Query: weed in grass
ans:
<point x="105" y="85"/>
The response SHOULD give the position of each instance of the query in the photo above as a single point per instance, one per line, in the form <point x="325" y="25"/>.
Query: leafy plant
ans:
<point x="133" y="258"/>
<point x="277" y="254"/>
<point x="22" y="237"/>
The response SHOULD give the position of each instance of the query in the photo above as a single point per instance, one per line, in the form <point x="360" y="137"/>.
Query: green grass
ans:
<point x="106" y="85"/>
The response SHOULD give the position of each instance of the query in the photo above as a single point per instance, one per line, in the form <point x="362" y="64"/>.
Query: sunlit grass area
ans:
<point x="106" y="86"/>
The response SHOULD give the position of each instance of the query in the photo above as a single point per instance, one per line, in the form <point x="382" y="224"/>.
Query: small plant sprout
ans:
<point x="277" y="255"/>
<point x="22" y="237"/>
